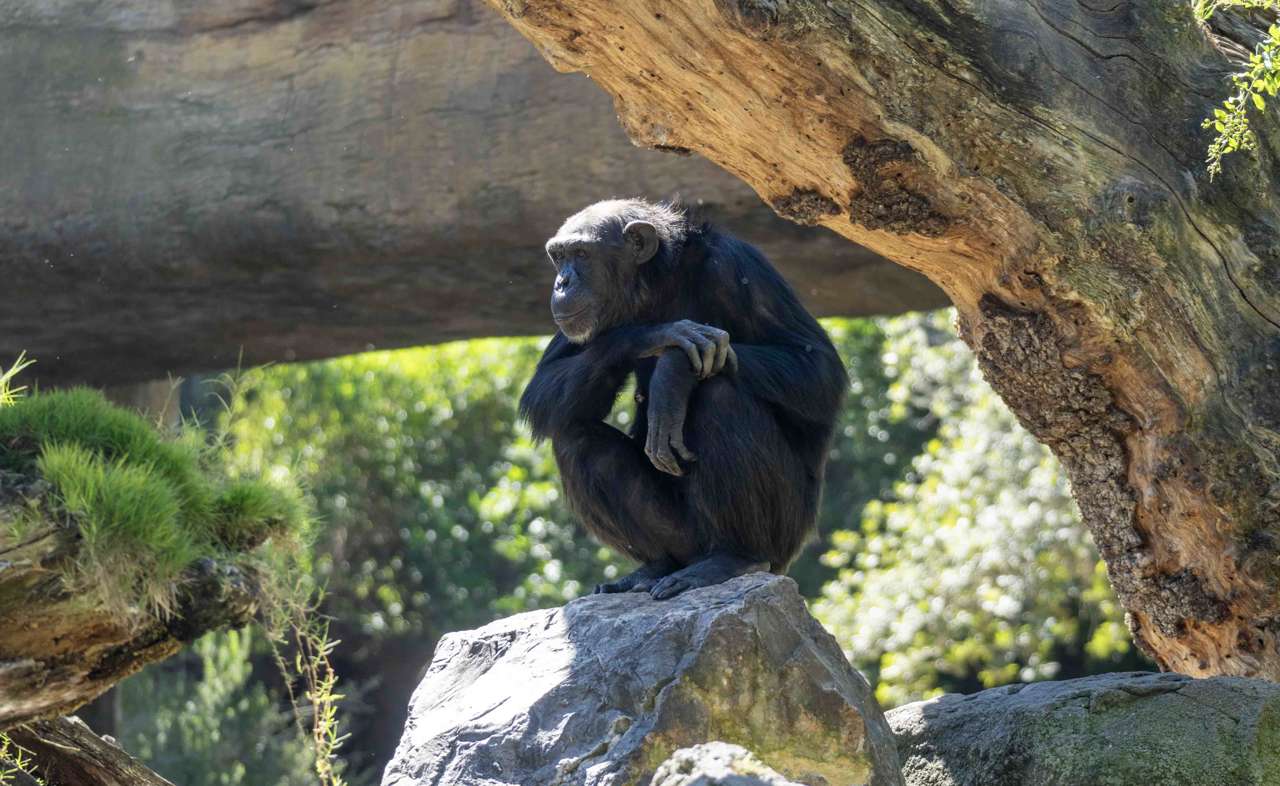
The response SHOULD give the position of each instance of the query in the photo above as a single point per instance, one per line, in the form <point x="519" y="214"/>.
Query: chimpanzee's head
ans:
<point x="599" y="254"/>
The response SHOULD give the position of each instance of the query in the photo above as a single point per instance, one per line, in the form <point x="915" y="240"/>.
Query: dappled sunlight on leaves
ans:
<point x="976" y="571"/>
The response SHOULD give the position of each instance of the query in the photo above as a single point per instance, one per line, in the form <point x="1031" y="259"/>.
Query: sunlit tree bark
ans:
<point x="1042" y="162"/>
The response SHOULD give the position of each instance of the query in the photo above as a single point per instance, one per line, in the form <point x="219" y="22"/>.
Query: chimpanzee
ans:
<point x="737" y="389"/>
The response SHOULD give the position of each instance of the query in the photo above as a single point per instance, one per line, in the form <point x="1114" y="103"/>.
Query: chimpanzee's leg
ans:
<point x="624" y="502"/>
<point x="752" y="494"/>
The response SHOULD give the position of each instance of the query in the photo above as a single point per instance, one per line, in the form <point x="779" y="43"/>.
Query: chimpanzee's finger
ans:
<point x="677" y="443"/>
<point x="695" y="357"/>
<point x="667" y="462"/>
<point x="731" y="361"/>
<point x="659" y="452"/>
<point x="722" y="351"/>
<point x="708" y="348"/>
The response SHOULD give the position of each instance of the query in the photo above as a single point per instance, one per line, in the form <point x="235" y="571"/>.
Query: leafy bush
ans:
<point x="201" y="719"/>
<point x="1261" y="78"/>
<point x="977" y="571"/>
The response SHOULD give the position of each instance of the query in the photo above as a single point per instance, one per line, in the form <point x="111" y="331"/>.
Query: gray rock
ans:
<point x="717" y="764"/>
<point x="1128" y="729"/>
<point x="602" y="691"/>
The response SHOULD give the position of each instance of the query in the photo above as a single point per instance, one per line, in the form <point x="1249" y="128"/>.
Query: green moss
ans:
<point x="146" y="505"/>
<point x="248" y="512"/>
<point x="1268" y="748"/>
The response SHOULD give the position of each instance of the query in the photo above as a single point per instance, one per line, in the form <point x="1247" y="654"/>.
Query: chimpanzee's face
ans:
<point x="596" y="261"/>
<point x="583" y="283"/>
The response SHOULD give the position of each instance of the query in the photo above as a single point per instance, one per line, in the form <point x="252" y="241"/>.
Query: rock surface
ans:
<point x="180" y="179"/>
<point x="716" y="764"/>
<point x="602" y="691"/>
<point x="1127" y="729"/>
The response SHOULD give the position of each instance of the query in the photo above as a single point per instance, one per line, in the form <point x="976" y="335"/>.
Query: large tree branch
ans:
<point x="66" y="752"/>
<point x="60" y="647"/>
<point x="1041" y="161"/>
<point x="184" y="186"/>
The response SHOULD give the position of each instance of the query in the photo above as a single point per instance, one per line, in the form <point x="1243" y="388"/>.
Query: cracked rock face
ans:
<point x="1127" y="729"/>
<point x="604" y="690"/>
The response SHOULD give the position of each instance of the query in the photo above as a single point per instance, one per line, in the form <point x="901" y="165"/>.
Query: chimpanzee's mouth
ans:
<point x="566" y="317"/>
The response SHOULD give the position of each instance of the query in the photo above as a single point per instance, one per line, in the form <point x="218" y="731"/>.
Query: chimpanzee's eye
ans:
<point x="580" y="253"/>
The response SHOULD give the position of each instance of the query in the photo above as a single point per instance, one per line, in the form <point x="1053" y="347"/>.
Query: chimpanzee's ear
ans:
<point x="642" y="238"/>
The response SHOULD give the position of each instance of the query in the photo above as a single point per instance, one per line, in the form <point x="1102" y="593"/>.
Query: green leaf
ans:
<point x="1258" y="102"/>
<point x="1219" y="127"/>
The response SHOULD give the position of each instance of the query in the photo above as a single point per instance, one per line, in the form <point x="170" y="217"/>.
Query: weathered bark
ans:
<point x="60" y="647"/>
<point x="67" y="753"/>
<point x="304" y="178"/>
<point x="1040" y="160"/>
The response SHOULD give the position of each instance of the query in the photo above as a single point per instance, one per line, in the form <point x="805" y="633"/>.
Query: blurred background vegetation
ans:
<point x="950" y="556"/>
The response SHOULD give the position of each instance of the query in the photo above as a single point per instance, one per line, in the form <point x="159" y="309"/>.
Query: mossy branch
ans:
<point x="124" y="543"/>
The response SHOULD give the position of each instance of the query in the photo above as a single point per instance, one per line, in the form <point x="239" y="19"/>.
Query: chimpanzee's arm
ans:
<point x="575" y="382"/>
<point x="579" y="382"/>
<point x="670" y="386"/>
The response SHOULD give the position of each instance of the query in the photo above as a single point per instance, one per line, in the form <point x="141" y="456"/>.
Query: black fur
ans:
<point x="760" y="433"/>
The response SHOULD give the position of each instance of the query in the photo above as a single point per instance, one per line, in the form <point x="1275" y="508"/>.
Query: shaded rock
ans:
<point x="716" y="764"/>
<point x="602" y="691"/>
<point x="303" y="179"/>
<point x="1127" y="729"/>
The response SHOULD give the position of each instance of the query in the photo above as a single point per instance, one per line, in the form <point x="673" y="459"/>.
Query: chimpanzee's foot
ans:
<point x="641" y="579"/>
<point x="720" y="566"/>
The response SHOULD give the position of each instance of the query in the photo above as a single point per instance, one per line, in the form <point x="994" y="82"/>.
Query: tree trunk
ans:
<point x="1042" y="162"/>
<point x="183" y="185"/>
<point x="66" y="752"/>
<point x="60" y="648"/>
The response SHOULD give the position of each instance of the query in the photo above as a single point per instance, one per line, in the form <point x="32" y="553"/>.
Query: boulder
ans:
<point x="717" y="764"/>
<point x="305" y="178"/>
<point x="604" y="690"/>
<point x="1127" y="729"/>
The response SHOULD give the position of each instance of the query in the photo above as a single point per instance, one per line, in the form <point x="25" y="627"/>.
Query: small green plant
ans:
<point x="8" y="393"/>
<point x="297" y="623"/>
<point x="1262" y="77"/>
<point x="15" y="761"/>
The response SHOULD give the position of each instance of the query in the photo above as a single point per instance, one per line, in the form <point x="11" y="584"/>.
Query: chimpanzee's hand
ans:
<point x="706" y="347"/>
<point x="669" y="388"/>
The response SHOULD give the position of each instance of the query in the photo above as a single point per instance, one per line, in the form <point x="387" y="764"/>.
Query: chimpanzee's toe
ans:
<point x="640" y="579"/>
<point x="669" y="587"/>
<point x="715" y="569"/>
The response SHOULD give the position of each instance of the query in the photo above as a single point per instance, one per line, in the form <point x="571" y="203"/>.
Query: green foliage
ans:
<point x="955" y="558"/>
<point x="977" y="571"/>
<point x="874" y="440"/>
<point x="200" y="719"/>
<point x="146" y="505"/>
<point x="1262" y="77"/>
<point x="439" y="511"/>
